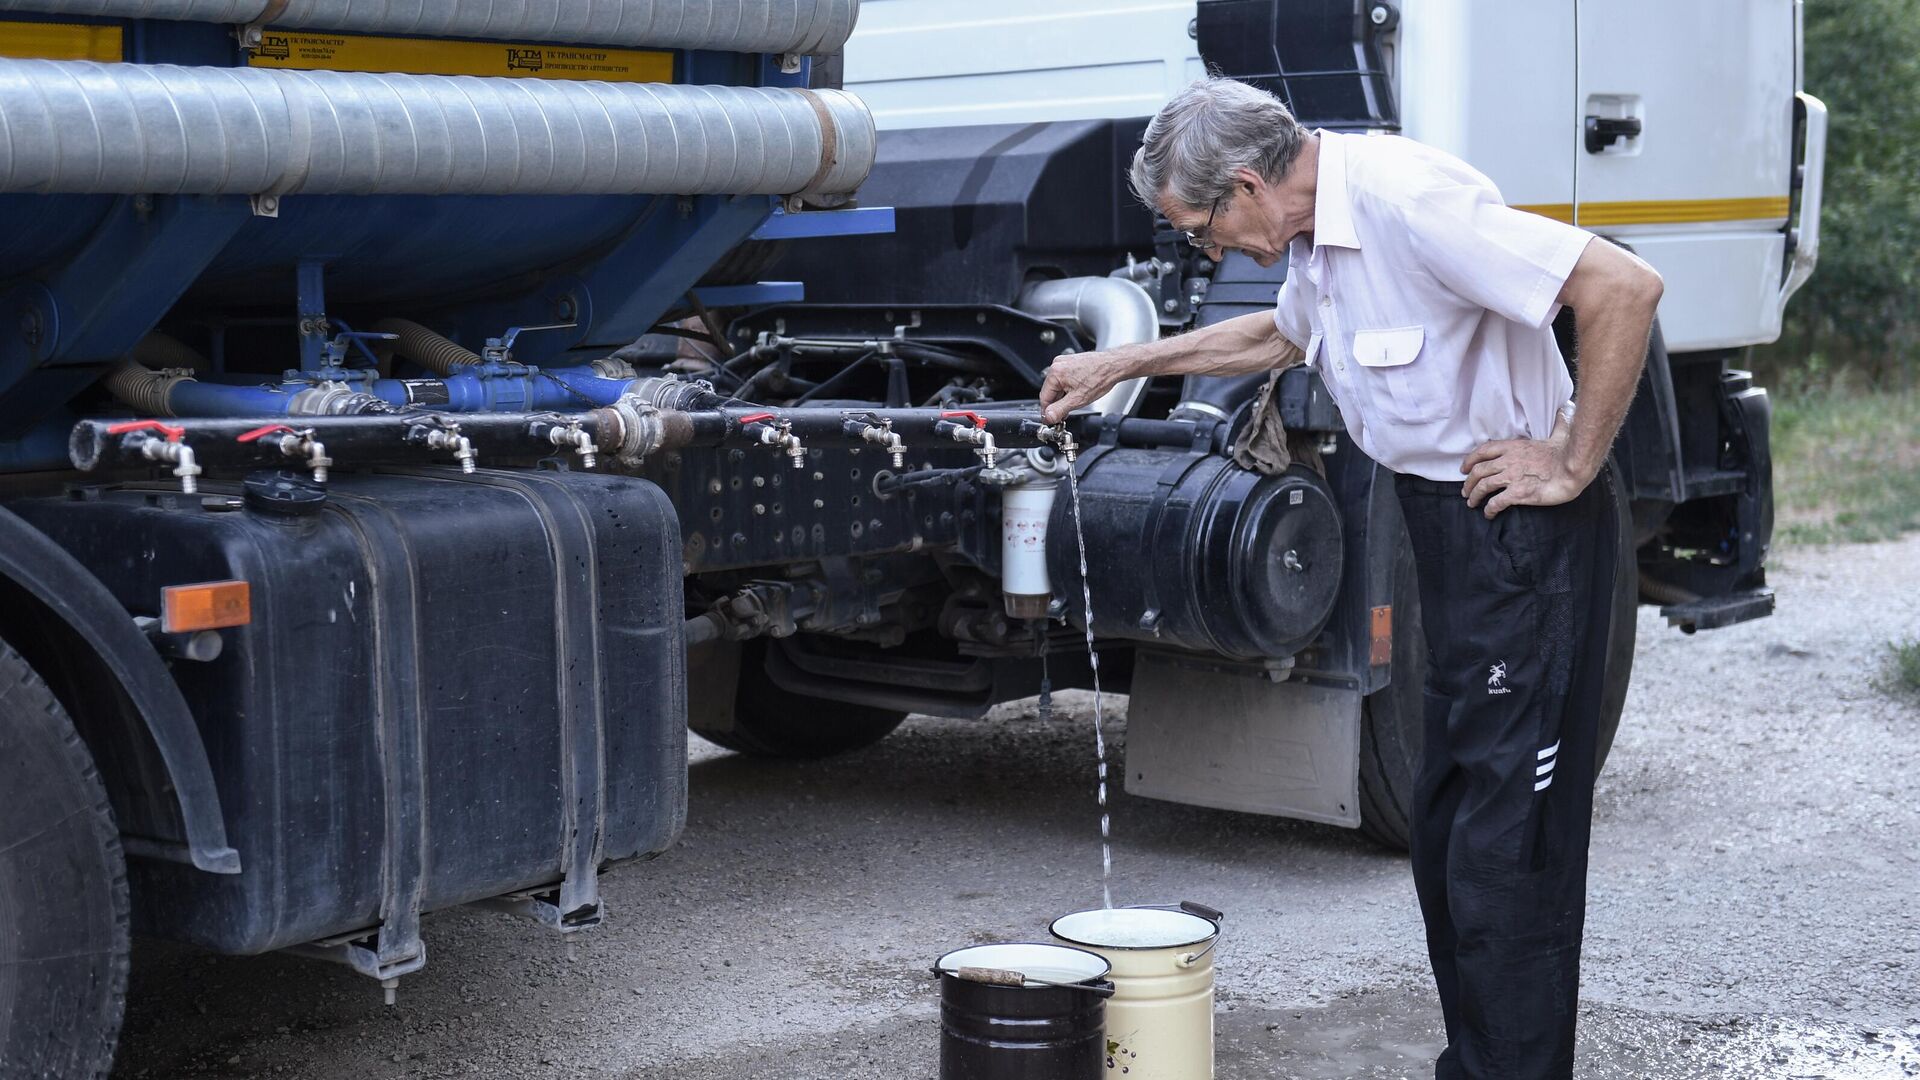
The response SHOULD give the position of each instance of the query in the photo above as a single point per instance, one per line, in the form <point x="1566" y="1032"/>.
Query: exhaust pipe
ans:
<point x="1112" y="311"/>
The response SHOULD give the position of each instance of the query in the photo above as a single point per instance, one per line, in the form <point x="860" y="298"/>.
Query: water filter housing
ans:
<point x="1025" y="511"/>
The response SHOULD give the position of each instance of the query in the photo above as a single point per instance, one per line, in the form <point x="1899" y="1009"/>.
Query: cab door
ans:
<point x="1683" y="143"/>
<point x="1492" y="82"/>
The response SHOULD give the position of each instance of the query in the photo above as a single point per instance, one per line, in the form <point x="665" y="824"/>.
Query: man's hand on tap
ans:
<point x="1237" y="346"/>
<point x="1078" y="379"/>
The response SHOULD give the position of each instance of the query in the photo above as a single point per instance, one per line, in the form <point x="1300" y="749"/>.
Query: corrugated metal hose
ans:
<point x="144" y="380"/>
<point x="78" y="126"/>
<point x="430" y="350"/>
<point x="811" y="27"/>
<point x="142" y="390"/>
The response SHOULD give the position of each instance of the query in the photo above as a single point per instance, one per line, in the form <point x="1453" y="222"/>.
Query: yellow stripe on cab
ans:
<point x="1664" y="212"/>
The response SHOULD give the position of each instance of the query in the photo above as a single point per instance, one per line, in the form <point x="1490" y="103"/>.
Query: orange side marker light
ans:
<point x="208" y="605"/>
<point x="1381" y="651"/>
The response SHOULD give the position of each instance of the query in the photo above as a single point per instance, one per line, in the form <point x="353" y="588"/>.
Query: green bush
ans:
<point x="1860" y="313"/>
<point x="1846" y="464"/>
<point x="1903" y="666"/>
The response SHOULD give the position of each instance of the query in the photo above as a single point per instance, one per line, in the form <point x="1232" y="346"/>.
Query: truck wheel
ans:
<point x="63" y="891"/>
<point x="770" y="722"/>
<point x="1392" y="721"/>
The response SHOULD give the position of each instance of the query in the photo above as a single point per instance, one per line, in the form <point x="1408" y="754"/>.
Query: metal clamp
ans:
<point x="542" y="905"/>
<point x="249" y="33"/>
<point x="363" y="952"/>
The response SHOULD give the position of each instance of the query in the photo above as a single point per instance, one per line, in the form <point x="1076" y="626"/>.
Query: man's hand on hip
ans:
<point x="1522" y="472"/>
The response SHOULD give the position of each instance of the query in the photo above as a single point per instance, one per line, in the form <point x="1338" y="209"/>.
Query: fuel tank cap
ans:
<point x="283" y="491"/>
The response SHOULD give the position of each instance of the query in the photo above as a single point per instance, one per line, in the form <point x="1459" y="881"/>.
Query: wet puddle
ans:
<point x="1393" y="1035"/>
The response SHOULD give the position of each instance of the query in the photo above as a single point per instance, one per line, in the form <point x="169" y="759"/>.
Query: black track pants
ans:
<point x="1516" y="614"/>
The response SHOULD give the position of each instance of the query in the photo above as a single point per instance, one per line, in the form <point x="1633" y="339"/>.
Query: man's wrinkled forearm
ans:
<point x="1238" y="346"/>
<point x="1613" y="350"/>
<point x="1614" y="295"/>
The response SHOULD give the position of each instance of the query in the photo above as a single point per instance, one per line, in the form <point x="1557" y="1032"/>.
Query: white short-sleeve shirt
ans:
<point x="1427" y="304"/>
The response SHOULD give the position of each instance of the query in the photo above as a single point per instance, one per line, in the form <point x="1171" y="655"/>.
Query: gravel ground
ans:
<point x="1756" y="863"/>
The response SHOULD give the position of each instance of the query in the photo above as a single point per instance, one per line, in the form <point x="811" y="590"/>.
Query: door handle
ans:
<point x="1604" y="131"/>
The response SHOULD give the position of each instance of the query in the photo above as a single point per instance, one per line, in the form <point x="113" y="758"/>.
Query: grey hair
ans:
<point x="1212" y="128"/>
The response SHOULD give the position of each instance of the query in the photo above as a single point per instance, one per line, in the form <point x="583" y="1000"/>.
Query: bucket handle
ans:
<point x="1191" y="907"/>
<point x="1202" y="910"/>
<point x="1009" y="977"/>
<point x="1212" y="915"/>
<point x="1193" y="958"/>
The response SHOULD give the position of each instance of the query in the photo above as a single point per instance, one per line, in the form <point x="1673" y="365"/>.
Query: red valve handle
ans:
<point x="978" y="420"/>
<point x="173" y="434"/>
<point x="263" y="432"/>
<point x="756" y="418"/>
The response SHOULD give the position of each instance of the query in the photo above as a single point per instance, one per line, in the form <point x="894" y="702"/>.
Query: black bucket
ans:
<point x="1000" y="1019"/>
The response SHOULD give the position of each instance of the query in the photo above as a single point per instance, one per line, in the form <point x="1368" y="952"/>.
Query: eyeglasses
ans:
<point x="1202" y="237"/>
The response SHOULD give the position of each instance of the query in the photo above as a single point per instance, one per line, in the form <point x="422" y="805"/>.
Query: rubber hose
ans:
<point x="435" y="352"/>
<point x="145" y="392"/>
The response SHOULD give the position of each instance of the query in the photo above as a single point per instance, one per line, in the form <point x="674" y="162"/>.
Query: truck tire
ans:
<point x="63" y="891"/>
<point x="770" y="722"/>
<point x="1392" y="720"/>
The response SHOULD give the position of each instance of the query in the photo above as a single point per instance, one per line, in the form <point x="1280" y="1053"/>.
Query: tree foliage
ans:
<point x="1861" y="310"/>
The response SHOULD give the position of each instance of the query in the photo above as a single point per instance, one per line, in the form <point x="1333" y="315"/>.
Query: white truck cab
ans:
<point x="1668" y="126"/>
<point x="1677" y="129"/>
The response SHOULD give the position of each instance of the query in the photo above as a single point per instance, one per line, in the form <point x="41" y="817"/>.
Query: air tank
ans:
<point x="1187" y="550"/>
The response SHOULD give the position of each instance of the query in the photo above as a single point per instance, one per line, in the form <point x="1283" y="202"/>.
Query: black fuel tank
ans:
<point x="453" y="687"/>
<point x="1189" y="550"/>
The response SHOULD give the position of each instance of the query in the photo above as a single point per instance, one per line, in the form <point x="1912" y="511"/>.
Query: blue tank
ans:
<point x="259" y="200"/>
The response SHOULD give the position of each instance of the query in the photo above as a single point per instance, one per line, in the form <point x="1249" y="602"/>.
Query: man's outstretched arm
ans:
<point x="1238" y="346"/>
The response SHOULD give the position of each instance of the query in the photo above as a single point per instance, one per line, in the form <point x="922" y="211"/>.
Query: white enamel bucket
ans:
<point x="1160" y="1018"/>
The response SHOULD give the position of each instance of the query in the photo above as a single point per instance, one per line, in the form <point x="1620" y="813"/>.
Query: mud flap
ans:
<point x="1204" y="735"/>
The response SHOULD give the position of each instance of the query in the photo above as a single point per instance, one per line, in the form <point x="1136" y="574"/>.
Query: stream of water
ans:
<point x="1093" y="662"/>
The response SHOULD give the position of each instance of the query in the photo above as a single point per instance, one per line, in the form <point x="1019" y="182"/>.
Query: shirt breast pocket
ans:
<point x="1405" y="383"/>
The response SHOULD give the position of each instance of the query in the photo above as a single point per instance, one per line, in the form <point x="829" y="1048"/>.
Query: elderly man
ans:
<point x="1425" y="303"/>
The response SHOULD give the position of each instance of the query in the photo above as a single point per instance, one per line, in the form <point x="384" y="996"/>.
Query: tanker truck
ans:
<point x="415" y="420"/>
